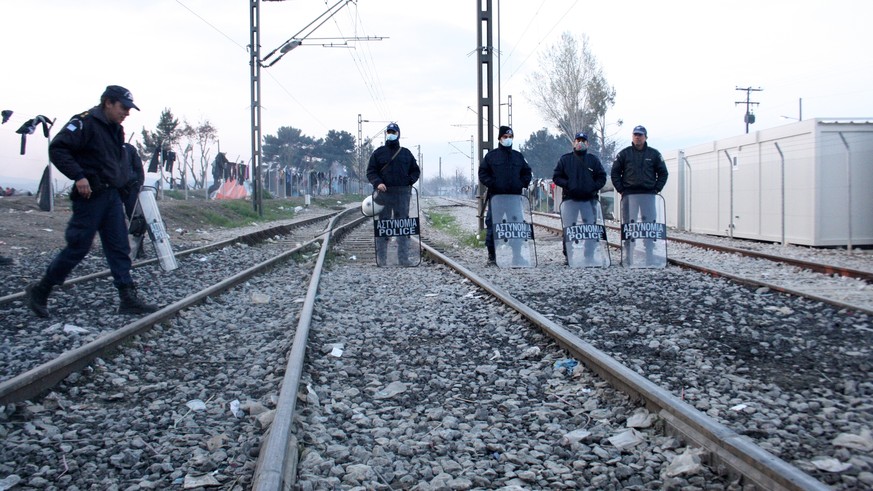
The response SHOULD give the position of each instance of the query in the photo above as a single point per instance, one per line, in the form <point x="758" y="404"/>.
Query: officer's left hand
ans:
<point x="83" y="187"/>
<point x="382" y="187"/>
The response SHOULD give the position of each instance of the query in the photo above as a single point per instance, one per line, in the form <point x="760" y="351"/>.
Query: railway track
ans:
<point x="818" y="267"/>
<point x="393" y="357"/>
<point x="77" y="306"/>
<point x="841" y="286"/>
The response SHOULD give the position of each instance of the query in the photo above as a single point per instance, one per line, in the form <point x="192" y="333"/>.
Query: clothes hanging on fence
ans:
<point x="30" y="126"/>
<point x="169" y="160"/>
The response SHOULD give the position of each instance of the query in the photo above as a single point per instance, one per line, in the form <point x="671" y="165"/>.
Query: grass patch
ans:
<point x="447" y="223"/>
<point x="198" y="212"/>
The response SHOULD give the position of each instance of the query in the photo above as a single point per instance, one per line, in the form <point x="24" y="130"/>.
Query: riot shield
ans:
<point x="643" y="231"/>
<point x="147" y="218"/>
<point x="394" y="223"/>
<point x="585" y="242"/>
<point x="512" y="224"/>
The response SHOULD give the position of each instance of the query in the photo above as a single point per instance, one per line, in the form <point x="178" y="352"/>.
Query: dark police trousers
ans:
<point x="516" y="210"/>
<point x="587" y="210"/>
<point x="646" y="211"/>
<point x="103" y="213"/>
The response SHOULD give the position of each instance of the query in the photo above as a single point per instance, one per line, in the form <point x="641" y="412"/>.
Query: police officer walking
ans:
<point x="90" y="151"/>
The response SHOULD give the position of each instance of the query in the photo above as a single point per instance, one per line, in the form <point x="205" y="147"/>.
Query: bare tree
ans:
<point x="602" y="98"/>
<point x="185" y="157"/>
<point x="569" y="89"/>
<point x="206" y="135"/>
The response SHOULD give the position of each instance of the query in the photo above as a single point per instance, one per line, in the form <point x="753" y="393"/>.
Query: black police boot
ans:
<point x="37" y="297"/>
<point x="492" y="257"/>
<point x="6" y="261"/>
<point x="131" y="304"/>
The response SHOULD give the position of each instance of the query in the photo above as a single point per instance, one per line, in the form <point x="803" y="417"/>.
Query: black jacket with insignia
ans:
<point x="91" y="146"/>
<point x="580" y="175"/>
<point x="402" y="171"/>
<point x="504" y="171"/>
<point x="639" y="171"/>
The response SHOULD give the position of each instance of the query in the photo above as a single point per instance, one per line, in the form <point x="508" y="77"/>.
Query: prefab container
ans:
<point x="806" y="183"/>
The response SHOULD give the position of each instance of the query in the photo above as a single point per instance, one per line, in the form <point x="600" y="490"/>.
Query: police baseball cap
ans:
<point x="392" y="127"/>
<point x="581" y="136"/>
<point x="640" y="130"/>
<point x="121" y="94"/>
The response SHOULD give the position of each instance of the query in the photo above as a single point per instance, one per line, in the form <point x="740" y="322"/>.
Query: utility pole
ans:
<point x="749" y="118"/>
<point x="361" y="168"/>
<point x="485" y="78"/>
<point x="421" y="169"/>
<point x="256" y="63"/>
<point x="508" y="105"/>
<point x="255" y="75"/>
<point x="472" y="177"/>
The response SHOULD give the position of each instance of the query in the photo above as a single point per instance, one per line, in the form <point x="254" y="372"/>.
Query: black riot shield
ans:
<point x="147" y="218"/>
<point x="394" y="223"/>
<point x="585" y="242"/>
<point x="643" y="231"/>
<point x="512" y="224"/>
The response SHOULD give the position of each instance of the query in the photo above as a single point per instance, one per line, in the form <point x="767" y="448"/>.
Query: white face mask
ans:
<point x="506" y="142"/>
<point x="391" y="137"/>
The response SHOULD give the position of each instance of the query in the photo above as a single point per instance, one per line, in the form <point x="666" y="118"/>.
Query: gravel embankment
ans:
<point x="790" y="373"/>
<point x="417" y="380"/>
<point x="185" y="404"/>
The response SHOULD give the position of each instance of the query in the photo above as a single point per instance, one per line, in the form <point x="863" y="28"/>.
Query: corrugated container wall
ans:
<point x="807" y="183"/>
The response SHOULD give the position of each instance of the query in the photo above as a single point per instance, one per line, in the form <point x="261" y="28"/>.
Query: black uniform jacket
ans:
<point x="580" y="176"/>
<point x="402" y="171"/>
<point x="92" y="147"/>
<point x="639" y="171"/>
<point x="504" y="171"/>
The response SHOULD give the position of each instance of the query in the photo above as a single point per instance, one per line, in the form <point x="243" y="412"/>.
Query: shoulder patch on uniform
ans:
<point x="74" y="124"/>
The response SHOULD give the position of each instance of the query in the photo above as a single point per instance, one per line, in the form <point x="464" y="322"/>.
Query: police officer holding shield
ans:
<point x="130" y="192"/>
<point x="90" y="151"/>
<point x="392" y="170"/>
<point x="130" y="195"/>
<point x="581" y="176"/>
<point x="503" y="171"/>
<point x="639" y="170"/>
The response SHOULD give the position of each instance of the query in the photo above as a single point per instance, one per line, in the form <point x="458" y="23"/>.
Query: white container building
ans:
<point x="807" y="183"/>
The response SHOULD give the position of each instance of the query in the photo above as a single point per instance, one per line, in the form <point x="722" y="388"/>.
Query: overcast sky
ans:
<point x="674" y="64"/>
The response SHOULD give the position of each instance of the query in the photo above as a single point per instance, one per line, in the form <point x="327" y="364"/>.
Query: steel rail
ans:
<point x="800" y="263"/>
<point x="276" y="468"/>
<point x="725" y="446"/>
<point x="772" y="286"/>
<point x="743" y="279"/>
<point x="249" y="238"/>
<point x="817" y="267"/>
<point x="45" y="376"/>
